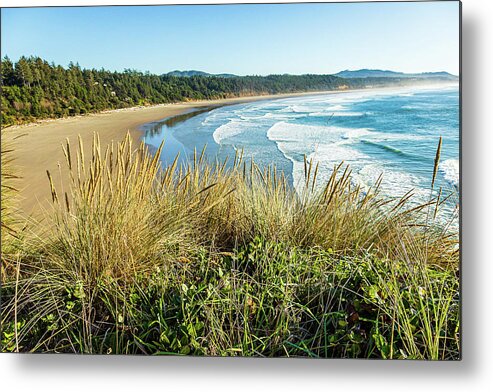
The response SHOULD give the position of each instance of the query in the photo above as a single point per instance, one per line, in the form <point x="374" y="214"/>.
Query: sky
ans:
<point x="257" y="39"/>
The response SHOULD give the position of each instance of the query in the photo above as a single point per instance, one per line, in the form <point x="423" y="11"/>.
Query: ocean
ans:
<point x="394" y="132"/>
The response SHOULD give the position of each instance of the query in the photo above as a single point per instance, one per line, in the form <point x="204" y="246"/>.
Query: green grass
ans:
<point x="227" y="259"/>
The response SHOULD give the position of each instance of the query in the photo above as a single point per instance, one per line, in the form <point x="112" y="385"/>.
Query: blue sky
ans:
<point x="242" y="39"/>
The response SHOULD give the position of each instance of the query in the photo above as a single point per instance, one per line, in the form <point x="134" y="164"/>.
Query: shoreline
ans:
<point x="38" y="146"/>
<point x="192" y="104"/>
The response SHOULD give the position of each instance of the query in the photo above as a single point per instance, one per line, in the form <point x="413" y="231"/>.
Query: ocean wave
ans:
<point x="394" y="183"/>
<point x="335" y="108"/>
<point x="422" y="106"/>
<point x="410" y="107"/>
<point x="378" y="137"/>
<point x="337" y="114"/>
<point x="335" y="153"/>
<point x="450" y="169"/>
<point x="383" y="147"/>
<point x="249" y="118"/>
<point x="394" y="150"/>
<point x="322" y="144"/>
<point x="356" y="133"/>
<point x="276" y="116"/>
<point x="326" y="156"/>
<point x="228" y="130"/>
<point x="285" y="131"/>
<point x="348" y="114"/>
<point x="298" y="109"/>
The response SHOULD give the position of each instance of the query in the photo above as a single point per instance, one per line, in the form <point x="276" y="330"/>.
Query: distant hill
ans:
<point x="190" y="73"/>
<point x="347" y="74"/>
<point x="378" y="73"/>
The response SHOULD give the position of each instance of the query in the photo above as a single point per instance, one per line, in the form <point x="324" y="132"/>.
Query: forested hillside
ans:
<point x="35" y="89"/>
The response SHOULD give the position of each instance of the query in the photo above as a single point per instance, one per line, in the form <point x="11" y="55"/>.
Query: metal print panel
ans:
<point x="261" y="180"/>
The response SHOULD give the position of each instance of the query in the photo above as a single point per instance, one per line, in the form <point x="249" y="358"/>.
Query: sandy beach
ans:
<point x="38" y="145"/>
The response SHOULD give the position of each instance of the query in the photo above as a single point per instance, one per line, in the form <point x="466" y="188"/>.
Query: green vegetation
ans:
<point x="34" y="89"/>
<point x="217" y="259"/>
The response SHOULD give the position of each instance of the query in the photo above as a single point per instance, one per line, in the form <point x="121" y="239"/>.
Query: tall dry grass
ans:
<point x="120" y="191"/>
<point x="10" y="222"/>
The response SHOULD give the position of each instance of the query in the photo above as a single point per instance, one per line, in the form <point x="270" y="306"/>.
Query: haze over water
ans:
<point x="390" y="131"/>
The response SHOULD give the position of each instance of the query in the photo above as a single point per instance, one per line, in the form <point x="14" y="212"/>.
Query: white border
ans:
<point x="79" y="373"/>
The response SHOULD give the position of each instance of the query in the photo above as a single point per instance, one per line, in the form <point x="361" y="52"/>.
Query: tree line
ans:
<point x="33" y="88"/>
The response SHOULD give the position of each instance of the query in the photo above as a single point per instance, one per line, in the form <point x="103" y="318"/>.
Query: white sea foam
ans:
<point x="326" y="156"/>
<point x="394" y="183"/>
<point x="284" y="131"/>
<point x="348" y="114"/>
<point x="211" y="117"/>
<point x="450" y="170"/>
<point x="356" y="133"/>
<point x="275" y="115"/>
<point x="334" y="152"/>
<point x="335" y="108"/>
<point x="377" y="137"/>
<point x="322" y="144"/>
<point x="248" y="118"/>
<point x="336" y="114"/>
<point x="299" y="109"/>
<point x="287" y="109"/>
<point x="228" y="130"/>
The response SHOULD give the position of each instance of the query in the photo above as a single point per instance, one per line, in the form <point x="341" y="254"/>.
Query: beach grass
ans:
<point x="228" y="259"/>
<point x="10" y="222"/>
